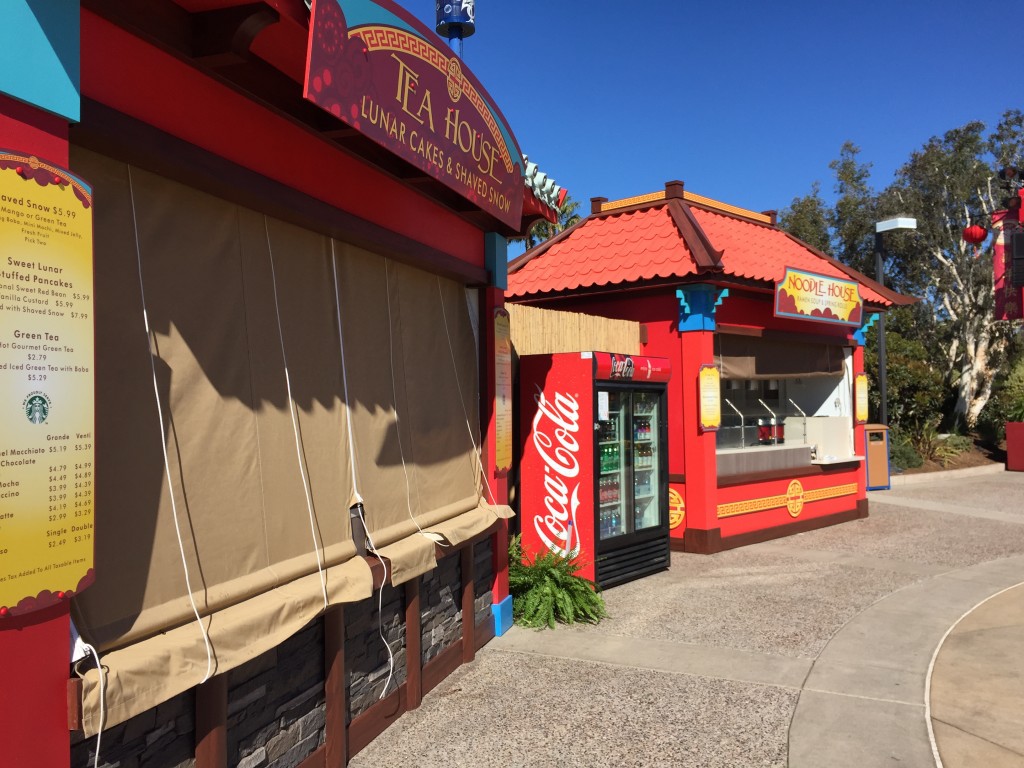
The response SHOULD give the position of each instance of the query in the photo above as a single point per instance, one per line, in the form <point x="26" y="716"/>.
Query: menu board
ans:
<point x="860" y="398"/>
<point x="709" y="393"/>
<point x="46" y="384"/>
<point x="502" y="391"/>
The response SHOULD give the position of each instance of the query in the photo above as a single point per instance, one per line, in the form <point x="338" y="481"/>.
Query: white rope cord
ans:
<point x="150" y="343"/>
<point x="344" y="380"/>
<point x="355" y="490"/>
<point x="394" y="395"/>
<point x="295" y="423"/>
<point x="103" y="706"/>
<point x="462" y="401"/>
<point x="380" y="608"/>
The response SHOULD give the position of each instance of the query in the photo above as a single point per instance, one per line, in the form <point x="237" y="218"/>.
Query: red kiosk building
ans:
<point x="768" y="400"/>
<point x="292" y="241"/>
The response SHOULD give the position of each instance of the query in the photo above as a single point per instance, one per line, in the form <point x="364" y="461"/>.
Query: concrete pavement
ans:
<point x="893" y="640"/>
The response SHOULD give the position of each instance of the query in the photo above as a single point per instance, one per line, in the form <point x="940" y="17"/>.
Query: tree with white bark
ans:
<point x="948" y="184"/>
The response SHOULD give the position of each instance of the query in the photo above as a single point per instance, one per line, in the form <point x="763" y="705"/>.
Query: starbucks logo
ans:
<point x="37" y="407"/>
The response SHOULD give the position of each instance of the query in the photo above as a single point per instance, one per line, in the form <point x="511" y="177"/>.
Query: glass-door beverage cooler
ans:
<point x="593" y="475"/>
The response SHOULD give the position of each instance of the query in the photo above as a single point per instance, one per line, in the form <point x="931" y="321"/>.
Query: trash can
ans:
<point x="876" y="453"/>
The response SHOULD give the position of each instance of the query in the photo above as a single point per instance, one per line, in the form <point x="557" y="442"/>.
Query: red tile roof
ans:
<point x="674" y="235"/>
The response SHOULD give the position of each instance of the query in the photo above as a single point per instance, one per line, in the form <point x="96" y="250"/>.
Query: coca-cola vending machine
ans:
<point x="594" y="471"/>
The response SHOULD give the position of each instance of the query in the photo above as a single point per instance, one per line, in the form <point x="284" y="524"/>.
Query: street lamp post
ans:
<point x="885" y="226"/>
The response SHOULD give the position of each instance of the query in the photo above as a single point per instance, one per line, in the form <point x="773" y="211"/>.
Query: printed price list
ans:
<point x="46" y="383"/>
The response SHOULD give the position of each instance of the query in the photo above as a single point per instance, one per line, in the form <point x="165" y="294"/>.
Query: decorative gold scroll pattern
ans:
<point x="381" y="38"/>
<point x="35" y="164"/>
<point x="735" y="508"/>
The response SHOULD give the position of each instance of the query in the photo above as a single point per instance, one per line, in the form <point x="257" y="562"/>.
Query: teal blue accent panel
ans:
<point x="860" y="335"/>
<point x="496" y="259"/>
<point x="697" y="305"/>
<point x="502" y="613"/>
<point x="360" y="13"/>
<point x="39" y="54"/>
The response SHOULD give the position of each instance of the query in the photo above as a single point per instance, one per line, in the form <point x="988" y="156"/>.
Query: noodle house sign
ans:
<point x="375" y="67"/>
<point x="820" y="298"/>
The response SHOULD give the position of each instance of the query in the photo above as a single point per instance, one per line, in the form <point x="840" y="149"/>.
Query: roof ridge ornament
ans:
<point x="542" y="186"/>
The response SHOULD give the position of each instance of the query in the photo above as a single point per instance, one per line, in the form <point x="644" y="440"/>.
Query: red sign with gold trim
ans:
<point x="375" y="67"/>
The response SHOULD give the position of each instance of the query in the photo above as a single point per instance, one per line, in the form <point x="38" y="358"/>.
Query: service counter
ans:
<point x="787" y="443"/>
<point x="762" y="458"/>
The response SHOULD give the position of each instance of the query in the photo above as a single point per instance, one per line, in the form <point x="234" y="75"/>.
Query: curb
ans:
<point x="929" y="477"/>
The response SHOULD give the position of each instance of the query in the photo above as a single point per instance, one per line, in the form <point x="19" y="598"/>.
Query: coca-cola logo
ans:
<point x="558" y="448"/>
<point x="622" y="367"/>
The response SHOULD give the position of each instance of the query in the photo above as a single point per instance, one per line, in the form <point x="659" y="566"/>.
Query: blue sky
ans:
<point x="746" y="102"/>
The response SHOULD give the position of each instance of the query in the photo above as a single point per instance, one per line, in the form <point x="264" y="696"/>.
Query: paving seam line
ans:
<point x="863" y="698"/>
<point x="980" y="738"/>
<point x="909" y="502"/>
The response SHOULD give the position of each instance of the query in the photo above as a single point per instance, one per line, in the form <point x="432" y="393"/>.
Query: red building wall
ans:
<point x="713" y="513"/>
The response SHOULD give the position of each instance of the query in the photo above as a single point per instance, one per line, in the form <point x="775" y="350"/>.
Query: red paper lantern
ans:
<point x="975" y="234"/>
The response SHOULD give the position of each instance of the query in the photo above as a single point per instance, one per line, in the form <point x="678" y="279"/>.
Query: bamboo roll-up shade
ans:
<point x="545" y="331"/>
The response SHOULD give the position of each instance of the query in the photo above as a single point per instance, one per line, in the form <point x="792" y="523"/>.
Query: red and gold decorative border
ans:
<point x="793" y="500"/>
<point x="384" y="38"/>
<point x="84" y="193"/>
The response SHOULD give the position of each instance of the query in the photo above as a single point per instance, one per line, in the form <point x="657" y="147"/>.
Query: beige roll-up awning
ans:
<point x="752" y="357"/>
<point x="469" y="524"/>
<point x="249" y="505"/>
<point x="413" y="383"/>
<point x="141" y="675"/>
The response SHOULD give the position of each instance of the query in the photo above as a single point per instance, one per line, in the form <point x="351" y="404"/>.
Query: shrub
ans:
<point x="915" y="389"/>
<point x="548" y="589"/>
<point x="1007" y="404"/>
<point x="942" y="448"/>
<point x="902" y="453"/>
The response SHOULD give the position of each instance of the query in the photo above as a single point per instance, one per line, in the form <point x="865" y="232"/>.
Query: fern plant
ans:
<point x="548" y="589"/>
